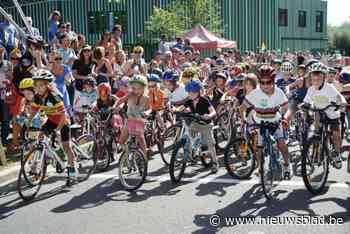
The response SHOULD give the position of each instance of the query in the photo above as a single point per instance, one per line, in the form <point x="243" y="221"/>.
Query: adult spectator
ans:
<point x="105" y="40"/>
<point x="82" y="67"/>
<point x="8" y="34"/>
<point x="5" y="76"/>
<point x="116" y="37"/>
<point x="163" y="45"/>
<point x="71" y="34"/>
<point x="65" y="51"/>
<point x="81" y="42"/>
<point x="102" y="69"/>
<point x="35" y="31"/>
<point x="54" y="21"/>
<point x="62" y="31"/>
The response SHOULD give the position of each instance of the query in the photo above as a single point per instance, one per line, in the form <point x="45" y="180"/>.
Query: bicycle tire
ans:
<point x="86" y="139"/>
<point x="304" y="163"/>
<point x="230" y="134"/>
<point x="143" y="162"/>
<point x="169" y="133"/>
<point x="227" y="160"/>
<point x="173" y="166"/>
<point x="104" y="158"/>
<point x="266" y="176"/>
<point x="23" y="177"/>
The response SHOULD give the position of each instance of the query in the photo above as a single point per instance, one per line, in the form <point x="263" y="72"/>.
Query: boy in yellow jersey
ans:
<point x="50" y="102"/>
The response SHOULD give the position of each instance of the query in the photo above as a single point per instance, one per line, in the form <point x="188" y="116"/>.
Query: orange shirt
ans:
<point x="156" y="99"/>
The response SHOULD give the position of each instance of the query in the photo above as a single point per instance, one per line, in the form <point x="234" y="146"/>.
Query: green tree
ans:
<point x="339" y="38"/>
<point x="181" y="16"/>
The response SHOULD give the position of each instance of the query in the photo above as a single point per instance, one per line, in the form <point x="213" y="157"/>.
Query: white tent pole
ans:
<point x="4" y="13"/>
<point x="18" y="7"/>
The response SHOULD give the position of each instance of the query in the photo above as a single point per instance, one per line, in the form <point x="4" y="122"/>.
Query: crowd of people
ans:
<point x="59" y="78"/>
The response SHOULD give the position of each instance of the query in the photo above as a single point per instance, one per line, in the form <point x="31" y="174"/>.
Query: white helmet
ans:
<point x="43" y="74"/>
<point x="318" y="67"/>
<point x="287" y="67"/>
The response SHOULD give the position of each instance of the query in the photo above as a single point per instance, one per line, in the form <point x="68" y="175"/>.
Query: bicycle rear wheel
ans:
<point x="239" y="159"/>
<point x="133" y="168"/>
<point x="85" y="152"/>
<point x="168" y="141"/>
<point x="32" y="174"/>
<point x="224" y="133"/>
<point x="315" y="166"/>
<point x="178" y="162"/>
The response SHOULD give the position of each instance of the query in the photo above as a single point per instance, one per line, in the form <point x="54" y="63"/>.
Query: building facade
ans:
<point x="277" y="24"/>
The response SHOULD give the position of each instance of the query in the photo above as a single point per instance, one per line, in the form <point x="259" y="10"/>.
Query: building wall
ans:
<point x="295" y="37"/>
<point x="249" y="22"/>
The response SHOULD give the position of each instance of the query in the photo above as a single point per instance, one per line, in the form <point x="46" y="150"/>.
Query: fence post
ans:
<point x="2" y="155"/>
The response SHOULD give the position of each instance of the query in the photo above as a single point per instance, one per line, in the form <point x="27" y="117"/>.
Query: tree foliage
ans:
<point x="181" y="16"/>
<point x="339" y="38"/>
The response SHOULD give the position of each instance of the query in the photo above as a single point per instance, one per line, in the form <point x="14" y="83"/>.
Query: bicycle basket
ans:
<point x="136" y="126"/>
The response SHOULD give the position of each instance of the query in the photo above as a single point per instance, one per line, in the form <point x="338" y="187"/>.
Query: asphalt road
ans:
<point x="100" y="205"/>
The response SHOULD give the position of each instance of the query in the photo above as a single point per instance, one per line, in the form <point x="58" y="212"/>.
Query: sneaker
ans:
<point x="337" y="163"/>
<point x="215" y="168"/>
<point x="287" y="172"/>
<point x="71" y="172"/>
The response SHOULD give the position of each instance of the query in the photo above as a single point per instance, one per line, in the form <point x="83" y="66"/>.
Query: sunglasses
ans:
<point x="14" y="58"/>
<point x="266" y="82"/>
<point x="137" y="52"/>
<point x="152" y="86"/>
<point x="58" y="59"/>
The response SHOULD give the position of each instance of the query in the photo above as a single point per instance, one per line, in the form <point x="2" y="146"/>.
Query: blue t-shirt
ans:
<point x="282" y="83"/>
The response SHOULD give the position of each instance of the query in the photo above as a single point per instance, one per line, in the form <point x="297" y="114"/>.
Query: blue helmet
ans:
<point x="220" y="61"/>
<point x="193" y="86"/>
<point x="171" y="75"/>
<point x="153" y="77"/>
<point x="232" y="83"/>
<point x="345" y="77"/>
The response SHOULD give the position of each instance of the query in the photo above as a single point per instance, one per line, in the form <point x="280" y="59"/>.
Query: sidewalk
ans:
<point x="9" y="173"/>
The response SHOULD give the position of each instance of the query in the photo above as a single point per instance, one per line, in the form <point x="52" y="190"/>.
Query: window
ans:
<point x="302" y="19"/>
<point x="99" y="21"/>
<point x="319" y="21"/>
<point x="283" y="17"/>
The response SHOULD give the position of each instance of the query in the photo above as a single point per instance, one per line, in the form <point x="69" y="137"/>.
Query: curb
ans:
<point x="7" y="175"/>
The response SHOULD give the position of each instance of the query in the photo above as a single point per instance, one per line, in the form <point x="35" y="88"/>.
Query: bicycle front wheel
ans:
<point x="239" y="159"/>
<point x="168" y="141"/>
<point x="178" y="162"/>
<point x="315" y="166"/>
<point x="223" y="134"/>
<point x="266" y="177"/>
<point x="85" y="152"/>
<point x="32" y="174"/>
<point x="133" y="168"/>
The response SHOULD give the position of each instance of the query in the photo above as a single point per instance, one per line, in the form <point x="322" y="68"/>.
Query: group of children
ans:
<point x="259" y="96"/>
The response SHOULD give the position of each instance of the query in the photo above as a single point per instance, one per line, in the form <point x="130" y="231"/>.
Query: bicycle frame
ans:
<point x="268" y="149"/>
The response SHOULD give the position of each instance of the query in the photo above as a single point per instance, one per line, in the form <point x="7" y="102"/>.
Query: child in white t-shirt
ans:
<point x="266" y="100"/>
<point x="320" y="95"/>
<point x="85" y="98"/>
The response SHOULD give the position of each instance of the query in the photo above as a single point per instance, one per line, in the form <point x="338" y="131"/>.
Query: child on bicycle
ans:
<point x="322" y="94"/>
<point x="156" y="97"/>
<point x="200" y="105"/>
<point x="123" y="87"/>
<point x="105" y="98"/>
<point x="287" y="78"/>
<point x="175" y="93"/>
<point x="138" y="108"/>
<point x="50" y="102"/>
<point x="85" y="97"/>
<point x="266" y="101"/>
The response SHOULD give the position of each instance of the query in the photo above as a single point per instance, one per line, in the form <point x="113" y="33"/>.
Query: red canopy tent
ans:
<point x="201" y="39"/>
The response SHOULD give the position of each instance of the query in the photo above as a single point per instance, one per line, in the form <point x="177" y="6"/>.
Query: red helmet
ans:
<point x="104" y="89"/>
<point x="236" y="70"/>
<point x="266" y="71"/>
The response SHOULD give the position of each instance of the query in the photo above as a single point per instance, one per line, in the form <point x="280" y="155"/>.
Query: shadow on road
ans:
<point x="253" y="204"/>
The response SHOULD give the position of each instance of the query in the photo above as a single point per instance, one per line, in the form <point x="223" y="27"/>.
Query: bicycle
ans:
<point x="45" y="152"/>
<point x="318" y="151"/>
<point x="107" y="133"/>
<point x="227" y="124"/>
<point x="187" y="148"/>
<point x="270" y="169"/>
<point x="133" y="162"/>
<point x="239" y="155"/>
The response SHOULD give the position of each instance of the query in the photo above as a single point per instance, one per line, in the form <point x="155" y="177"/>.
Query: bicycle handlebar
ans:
<point x="192" y="116"/>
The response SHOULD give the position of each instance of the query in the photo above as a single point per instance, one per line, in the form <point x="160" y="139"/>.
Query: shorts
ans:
<point x="49" y="127"/>
<point x="206" y="131"/>
<point x="278" y="134"/>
